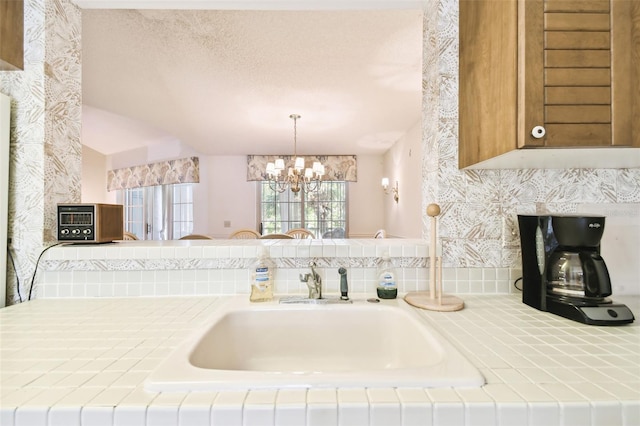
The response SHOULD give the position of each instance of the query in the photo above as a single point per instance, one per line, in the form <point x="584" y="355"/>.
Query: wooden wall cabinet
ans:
<point x="548" y="74"/>
<point x="11" y="35"/>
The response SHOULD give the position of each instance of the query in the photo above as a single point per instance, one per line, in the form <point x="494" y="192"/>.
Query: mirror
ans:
<point x="223" y="83"/>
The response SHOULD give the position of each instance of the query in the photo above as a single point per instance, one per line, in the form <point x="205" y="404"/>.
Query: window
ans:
<point x="323" y="212"/>
<point x="134" y="210"/>
<point x="182" y="210"/>
<point x="158" y="212"/>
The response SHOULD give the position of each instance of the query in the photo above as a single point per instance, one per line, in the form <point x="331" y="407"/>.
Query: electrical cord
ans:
<point x="13" y="263"/>
<point x="515" y="284"/>
<point x="35" y="271"/>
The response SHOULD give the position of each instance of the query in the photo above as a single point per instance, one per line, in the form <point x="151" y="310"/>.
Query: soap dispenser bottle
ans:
<point x="261" y="277"/>
<point x="387" y="284"/>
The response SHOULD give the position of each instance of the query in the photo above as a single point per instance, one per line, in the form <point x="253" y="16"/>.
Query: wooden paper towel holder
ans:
<point x="433" y="299"/>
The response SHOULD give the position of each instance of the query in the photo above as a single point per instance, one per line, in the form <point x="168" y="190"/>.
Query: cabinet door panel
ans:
<point x="574" y="99"/>
<point x="576" y="21"/>
<point x="577" y="58"/>
<point x="576" y="6"/>
<point x="578" y="134"/>
<point x="625" y="75"/>
<point x="577" y="40"/>
<point x="577" y="77"/>
<point x="11" y="35"/>
<point x="578" y="95"/>
<point x="578" y="114"/>
<point x="488" y="80"/>
<point x="530" y="71"/>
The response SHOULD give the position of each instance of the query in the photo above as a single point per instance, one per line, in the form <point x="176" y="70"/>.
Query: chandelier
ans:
<point x="297" y="177"/>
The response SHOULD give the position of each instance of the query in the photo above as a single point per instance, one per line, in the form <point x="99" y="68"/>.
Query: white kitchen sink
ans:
<point x="271" y="345"/>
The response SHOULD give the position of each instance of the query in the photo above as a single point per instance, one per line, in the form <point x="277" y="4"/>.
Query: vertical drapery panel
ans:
<point x="336" y="167"/>
<point x="183" y="170"/>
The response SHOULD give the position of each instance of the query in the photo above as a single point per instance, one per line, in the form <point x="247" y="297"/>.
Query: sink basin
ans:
<point x="271" y="345"/>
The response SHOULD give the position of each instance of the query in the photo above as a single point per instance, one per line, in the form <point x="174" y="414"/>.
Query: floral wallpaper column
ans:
<point x="63" y="109"/>
<point x="45" y="156"/>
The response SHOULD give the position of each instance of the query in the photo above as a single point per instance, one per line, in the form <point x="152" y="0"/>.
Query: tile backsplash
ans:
<point x="169" y="268"/>
<point x="620" y="245"/>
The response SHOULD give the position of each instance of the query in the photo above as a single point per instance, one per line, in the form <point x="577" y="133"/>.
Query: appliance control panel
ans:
<point x="76" y="223"/>
<point x="608" y="313"/>
<point x="90" y="223"/>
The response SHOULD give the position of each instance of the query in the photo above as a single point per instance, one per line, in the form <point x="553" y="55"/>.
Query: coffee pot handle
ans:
<point x="596" y="275"/>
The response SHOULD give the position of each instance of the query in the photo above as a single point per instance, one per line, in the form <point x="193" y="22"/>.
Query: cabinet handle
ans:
<point x="538" y="132"/>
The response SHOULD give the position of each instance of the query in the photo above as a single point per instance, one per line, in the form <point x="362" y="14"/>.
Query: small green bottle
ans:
<point x="387" y="284"/>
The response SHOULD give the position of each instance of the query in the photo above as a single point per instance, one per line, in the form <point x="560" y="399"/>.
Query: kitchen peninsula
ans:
<point x="82" y="359"/>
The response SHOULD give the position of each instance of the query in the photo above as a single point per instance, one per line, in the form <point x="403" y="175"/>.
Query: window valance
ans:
<point x="183" y="170"/>
<point x="336" y="167"/>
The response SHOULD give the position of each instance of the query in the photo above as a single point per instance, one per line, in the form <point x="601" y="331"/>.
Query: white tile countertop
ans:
<point x="84" y="361"/>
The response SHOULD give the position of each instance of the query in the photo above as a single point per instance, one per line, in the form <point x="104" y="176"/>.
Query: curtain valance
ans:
<point x="183" y="170"/>
<point x="336" y="167"/>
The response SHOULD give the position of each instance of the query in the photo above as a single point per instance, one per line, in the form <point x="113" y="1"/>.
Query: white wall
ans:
<point x="366" y="198"/>
<point x="167" y="150"/>
<point x="231" y="197"/>
<point x="402" y="163"/>
<point x="94" y="178"/>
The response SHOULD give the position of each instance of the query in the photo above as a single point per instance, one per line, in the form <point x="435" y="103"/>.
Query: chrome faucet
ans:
<point x="313" y="282"/>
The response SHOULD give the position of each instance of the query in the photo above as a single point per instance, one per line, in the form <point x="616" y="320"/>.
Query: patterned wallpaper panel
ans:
<point x="63" y="109"/>
<point x="45" y="158"/>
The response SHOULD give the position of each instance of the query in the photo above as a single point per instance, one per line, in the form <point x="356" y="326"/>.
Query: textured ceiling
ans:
<point x="225" y="82"/>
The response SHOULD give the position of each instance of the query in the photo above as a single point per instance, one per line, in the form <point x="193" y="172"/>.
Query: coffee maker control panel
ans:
<point x="596" y="314"/>
<point x="602" y="314"/>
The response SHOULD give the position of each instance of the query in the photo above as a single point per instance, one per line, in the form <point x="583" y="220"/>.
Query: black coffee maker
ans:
<point x="563" y="272"/>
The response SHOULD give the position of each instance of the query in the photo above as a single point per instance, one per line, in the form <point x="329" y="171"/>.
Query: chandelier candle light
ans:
<point x="393" y="190"/>
<point x="297" y="176"/>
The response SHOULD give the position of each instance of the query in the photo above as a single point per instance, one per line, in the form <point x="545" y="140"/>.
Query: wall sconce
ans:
<point x="387" y="190"/>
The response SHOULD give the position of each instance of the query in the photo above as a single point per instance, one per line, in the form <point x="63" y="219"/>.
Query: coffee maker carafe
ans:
<point x="563" y="271"/>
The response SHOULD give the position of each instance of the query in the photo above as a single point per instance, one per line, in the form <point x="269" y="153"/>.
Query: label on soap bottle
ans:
<point x="262" y="278"/>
